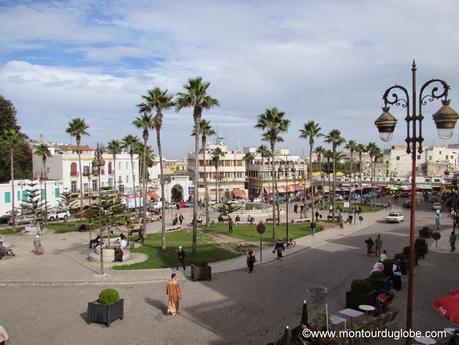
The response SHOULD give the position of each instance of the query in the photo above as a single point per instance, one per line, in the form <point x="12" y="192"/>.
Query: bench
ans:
<point x="133" y="231"/>
<point x="301" y="220"/>
<point x="244" y="223"/>
<point x="174" y="228"/>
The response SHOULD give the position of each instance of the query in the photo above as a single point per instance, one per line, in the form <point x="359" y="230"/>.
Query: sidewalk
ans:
<point x="65" y="263"/>
<point x="442" y="246"/>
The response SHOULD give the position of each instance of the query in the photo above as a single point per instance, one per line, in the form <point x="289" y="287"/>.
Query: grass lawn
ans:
<point x="207" y="250"/>
<point x="249" y="232"/>
<point x="9" y="231"/>
<point x="62" y="227"/>
<point x="366" y="208"/>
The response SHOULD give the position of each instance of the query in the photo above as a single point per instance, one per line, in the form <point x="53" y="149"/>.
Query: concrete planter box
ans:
<point x="105" y="313"/>
<point x="201" y="272"/>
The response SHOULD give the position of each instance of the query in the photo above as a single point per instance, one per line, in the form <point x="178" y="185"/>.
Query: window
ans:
<point x="73" y="186"/>
<point x="19" y="195"/>
<point x="418" y="157"/>
<point x="397" y="158"/>
<point x="110" y="167"/>
<point x="446" y="157"/>
<point x="133" y="179"/>
<point x="73" y="169"/>
<point x="127" y="165"/>
<point x="86" y="170"/>
<point x="94" y="185"/>
<point x="57" y="192"/>
<point x="119" y="165"/>
<point x="7" y="197"/>
<point x="127" y="178"/>
<point x="42" y="195"/>
<point x="85" y="187"/>
<point x="439" y="153"/>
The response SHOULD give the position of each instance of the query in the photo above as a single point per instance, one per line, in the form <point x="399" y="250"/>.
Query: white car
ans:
<point x="395" y="217"/>
<point x="58" y="215"/>
<point x="436" y="206"/>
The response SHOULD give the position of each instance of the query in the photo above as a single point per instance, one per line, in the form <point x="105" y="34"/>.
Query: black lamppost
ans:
<point x="97" y="163"/>
<point x="445" y="120"/>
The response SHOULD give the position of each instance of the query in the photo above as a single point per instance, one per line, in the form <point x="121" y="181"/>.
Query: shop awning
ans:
<point x="154" y="196"/>
<point x="238" y="193"/>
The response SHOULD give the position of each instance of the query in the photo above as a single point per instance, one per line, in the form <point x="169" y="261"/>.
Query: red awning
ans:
<point x="448" y="306"/>
<point x="153" y="195"/>
<point x="238" y="193"/>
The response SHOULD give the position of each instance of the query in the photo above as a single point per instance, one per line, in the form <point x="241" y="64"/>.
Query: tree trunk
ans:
<point x="101" y="250"/>
<point x="216" y="184"/>
<point x="133" y="184"/>
<point x="45" y="175"/>
<point x="144" y="185"/>
<point x="334" y="183"/>
<point x="114" y="177"/>
<point x="360" y="177"/>
<point x="352" y="184"/>
<point x="311" y="182"/>
<point x="81" y="176"/>
<point x="13" y="212"/>
<point x="194" y="252"/>
<point x="206" y="197"/>
<point x="273" y="178"/>
<point x="161" y="182"/>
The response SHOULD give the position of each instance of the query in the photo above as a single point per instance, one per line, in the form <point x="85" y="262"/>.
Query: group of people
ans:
<point x="120" y="244"/>
<point x="178" y="219"/>
<point x="5" y="251"/>
<point x="374" y="247"/>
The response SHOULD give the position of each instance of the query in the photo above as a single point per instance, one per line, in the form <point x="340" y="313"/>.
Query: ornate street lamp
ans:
<point x="445" y="120"/>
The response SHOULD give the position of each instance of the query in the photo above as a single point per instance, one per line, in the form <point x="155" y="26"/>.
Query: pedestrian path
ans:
<point x="443" y="245"/>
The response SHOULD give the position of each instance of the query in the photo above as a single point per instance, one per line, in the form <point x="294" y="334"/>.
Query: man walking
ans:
<point x="250" y="260"/>
<point x="181" y="257"/>
<point x="378" y="245"/>
<point x="173" y="295"/>
<point x="230" y="225"/>
<point x="452" y="241"/>
<point x="279" y="248"/>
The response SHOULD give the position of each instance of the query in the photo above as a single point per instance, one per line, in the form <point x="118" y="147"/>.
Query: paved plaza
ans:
<point x="44" y="299"/>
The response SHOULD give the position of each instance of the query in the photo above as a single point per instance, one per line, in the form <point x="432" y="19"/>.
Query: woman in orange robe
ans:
<point x="173" y="294"/>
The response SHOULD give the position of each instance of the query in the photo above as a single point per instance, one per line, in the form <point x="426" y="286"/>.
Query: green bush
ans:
<point x="388" y="262"/>
<point x="108" y="296"/>
<point x="406" y="251"/>
<point x="399" y="256"/>
<point x="360" y="286"/>
<point x="420" y="246"/>
<point x="319" y="321"/>
<point x="377" y="275"/>
<point x="425" y="232"/>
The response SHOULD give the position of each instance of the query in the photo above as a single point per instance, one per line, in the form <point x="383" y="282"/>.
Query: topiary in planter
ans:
<point x="108" y="296"/>
<point x="420" y="246"/>
<point x="377" y="275"/>
<point x="388" y="267"/>
<point x="425" y="232"/>
<point x="361" y="286"/>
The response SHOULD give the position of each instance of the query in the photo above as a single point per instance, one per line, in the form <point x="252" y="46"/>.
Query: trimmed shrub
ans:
<point x="361" y="286"/>
<point x="399" y="256"/>
<point x="377" y="275"/>
<point x="108" y="296"/>
<point x="425" y="232"/>
<point x="420" y="246"/>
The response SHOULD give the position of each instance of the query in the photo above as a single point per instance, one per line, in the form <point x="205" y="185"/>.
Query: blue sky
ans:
<point x="328" y="61"/>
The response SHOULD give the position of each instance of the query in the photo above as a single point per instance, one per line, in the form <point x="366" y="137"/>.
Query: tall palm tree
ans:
<point x="42" y="151"/>
<point x="320" y="152"/>
<point x="195" y="96"/>
<point x="114" y="148"/>
<point x="11" y="138"/>
<point x="216" y="155"/>
<point x="374" y="152"/>
<point x="248" y="158"/>
<point x="273" y="123"/>
<point x="206" y="130"/>
<point x="156" y="101"/>
<point x="328" y="155"/>
<point x="264" y="152"/>
<point x="310" y="131"/>
<point x="351" y="146"/>
<point x="77" y="127"/>
<point x="129" y="143"/>
<point x="360" y="149"/>
<point x="335" y="139"/>
<point x="145" y="122"/>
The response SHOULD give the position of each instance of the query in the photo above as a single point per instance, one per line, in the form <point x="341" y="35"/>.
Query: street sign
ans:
<point x="261" y="228"/>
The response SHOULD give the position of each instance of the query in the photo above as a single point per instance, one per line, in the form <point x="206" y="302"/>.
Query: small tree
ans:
<point x="227" y="208"/>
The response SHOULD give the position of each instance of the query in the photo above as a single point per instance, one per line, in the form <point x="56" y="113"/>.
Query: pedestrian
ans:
<point x="295" y="208"/>
<point x="118" y="254"/>
<point x="181" y="218"/>
<point x="181" y="258"/>
<point x="378" y="267"/>
<point x="230" y="225"/>
<point x="301" y="210"/>
<point x="177" y="205"/>
<point x="340" y="221"/>
<point x="383" y="256"/>
<point x="452" y="241"/>
<point x="39" y="250"/>
<point x="4" y="338"/>
<point x="313" y="228"/>
<point x="360" y="219"/>
<point x="173" y="295"/>
<point x="279" y="248"/>
<point x="349" y="217"/>
<point x="378" y="245"/>
<point x="397" y="275"/>
<point x="94" y="242"/>
<point x="437" y="221"/>
<point x="175" y="221"/>
<point x="370" y="246"/>
<point x="317" y="216"/>
<point x="250" y="260"/>
<point x="141" y="235"/>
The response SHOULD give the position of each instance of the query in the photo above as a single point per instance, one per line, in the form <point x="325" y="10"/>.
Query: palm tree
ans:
<point x="145" y="122"/>
<point x="196" y="97"/>
<point x="129" y="142"/>
<point x="351" y="146"/>
<point x="310" y="131"/>
<point x="273" y="123"/>
<point x="11" y="138"/>
<point x="42" y="151"/>
<point x="375" y="153"/>
<point x="156" y="101"/>
<point x="248" y="158"/>
<point x="77" y="127"/>
<point x="360" y="149"/>
<point x="335" y="139"/>
<point x="320" y="152"/>
<point x="206" y="130"/>
<point x="264" y="152"/>
<point x="216" y="155"/>
<point x="114" y="147"/>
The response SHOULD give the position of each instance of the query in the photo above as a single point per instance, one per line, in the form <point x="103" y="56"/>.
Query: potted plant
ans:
<point x="379" y="281"/>
<point x="406" y="254"/>
<point x="388" y="267"/>
<point x="425" y="232"/>
<point x="201" y="271"/>
<point x="421" y="248"/>
<point x="107" y="308"/>
<point x="360" y="293"/>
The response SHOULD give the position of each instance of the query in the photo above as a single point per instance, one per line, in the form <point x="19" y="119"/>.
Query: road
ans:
<point x="235" y="307"/>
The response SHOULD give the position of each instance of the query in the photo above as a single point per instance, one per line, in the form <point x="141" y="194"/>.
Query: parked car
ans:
<point x="436" y="206"/>
<point x="22" y="219"/>
<point x="185" y="204"/>
<point x="257" y="200"/>
<point x="407" y="203"/>
<point x="157" y="205"/>
<point x="394" y="217"/>
<point x="5" y="219"/>
<point x="58" y="215"/>
<point x="339" y="197"/>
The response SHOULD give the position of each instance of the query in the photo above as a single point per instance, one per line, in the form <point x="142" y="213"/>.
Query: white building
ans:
<point x="228" y="181"/>
<point x="63" y="166"/>
<point x="21" y="188"/>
